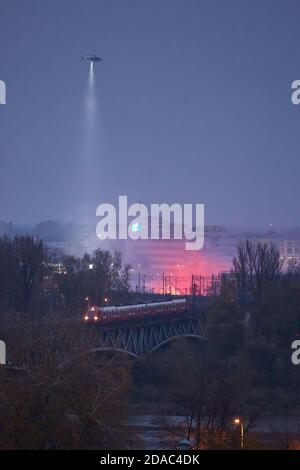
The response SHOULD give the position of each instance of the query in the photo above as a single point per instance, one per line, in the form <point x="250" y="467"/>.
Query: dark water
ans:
<point x="156" y="432"/>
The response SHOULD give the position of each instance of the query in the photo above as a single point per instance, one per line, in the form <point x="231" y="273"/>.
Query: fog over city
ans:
<point x="191" y="105"/>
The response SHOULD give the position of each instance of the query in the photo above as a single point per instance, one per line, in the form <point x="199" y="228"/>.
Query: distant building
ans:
<point x="165" y="266"/>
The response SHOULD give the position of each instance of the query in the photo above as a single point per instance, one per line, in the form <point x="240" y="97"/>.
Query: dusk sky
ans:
<point x="193" y="106"/>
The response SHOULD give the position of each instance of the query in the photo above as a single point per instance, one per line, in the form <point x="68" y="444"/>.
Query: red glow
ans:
<point x="164" y="266"/>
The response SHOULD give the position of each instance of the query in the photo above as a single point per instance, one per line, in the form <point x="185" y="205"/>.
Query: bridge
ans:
<point x="140" y="338"/>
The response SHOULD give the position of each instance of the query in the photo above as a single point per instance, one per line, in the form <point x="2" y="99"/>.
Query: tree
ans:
<point x="7" y="274"/>
<point x="61" y="397"/>
<point x="29" y="255"/>
<point x="21" y="271"/>
<point x="256" y="268"/>
<point x="257" y="271"/>
<point x="106" y="276"/>
<point x="71" y="284"/>
<point x="88" y="280"/>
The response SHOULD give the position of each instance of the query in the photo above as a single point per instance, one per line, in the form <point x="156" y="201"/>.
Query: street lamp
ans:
<point x="238" y="422"/>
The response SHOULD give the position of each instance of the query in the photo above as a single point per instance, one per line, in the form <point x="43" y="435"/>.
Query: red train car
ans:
<point x="96" y="314"/>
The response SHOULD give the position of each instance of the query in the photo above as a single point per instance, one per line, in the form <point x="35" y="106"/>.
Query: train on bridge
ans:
<point x="96" y="314"/>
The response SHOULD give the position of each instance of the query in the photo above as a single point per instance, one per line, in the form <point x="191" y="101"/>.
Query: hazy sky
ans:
<point x="193" y="105"/>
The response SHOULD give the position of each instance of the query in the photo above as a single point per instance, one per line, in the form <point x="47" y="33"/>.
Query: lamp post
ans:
<point x="238" y="422"/>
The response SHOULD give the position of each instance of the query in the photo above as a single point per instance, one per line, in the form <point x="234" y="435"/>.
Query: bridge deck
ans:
<point x="151" y="320"/>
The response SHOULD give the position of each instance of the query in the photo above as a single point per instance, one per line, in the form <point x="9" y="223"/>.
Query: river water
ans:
<point x="156" y="432"/>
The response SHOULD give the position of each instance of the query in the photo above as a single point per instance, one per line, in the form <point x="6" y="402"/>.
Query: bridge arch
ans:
<point x="168" y="340"/>
<point x="142" y="340"/>
<point x="111" y="348"/>
<point x="153" y="349"/>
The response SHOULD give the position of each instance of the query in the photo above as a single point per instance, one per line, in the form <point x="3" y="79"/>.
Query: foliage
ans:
<point x="58" y="396"/>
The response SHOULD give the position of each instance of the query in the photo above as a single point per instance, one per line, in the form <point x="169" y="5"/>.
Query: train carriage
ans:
<point x="96" y="314"/>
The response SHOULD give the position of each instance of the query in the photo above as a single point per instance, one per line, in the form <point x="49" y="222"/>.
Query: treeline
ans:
<point x="64" y="397"/>
<point x="37" y="281"/>
<point x="244" y="368"/>
<point x="55" y="393"/>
